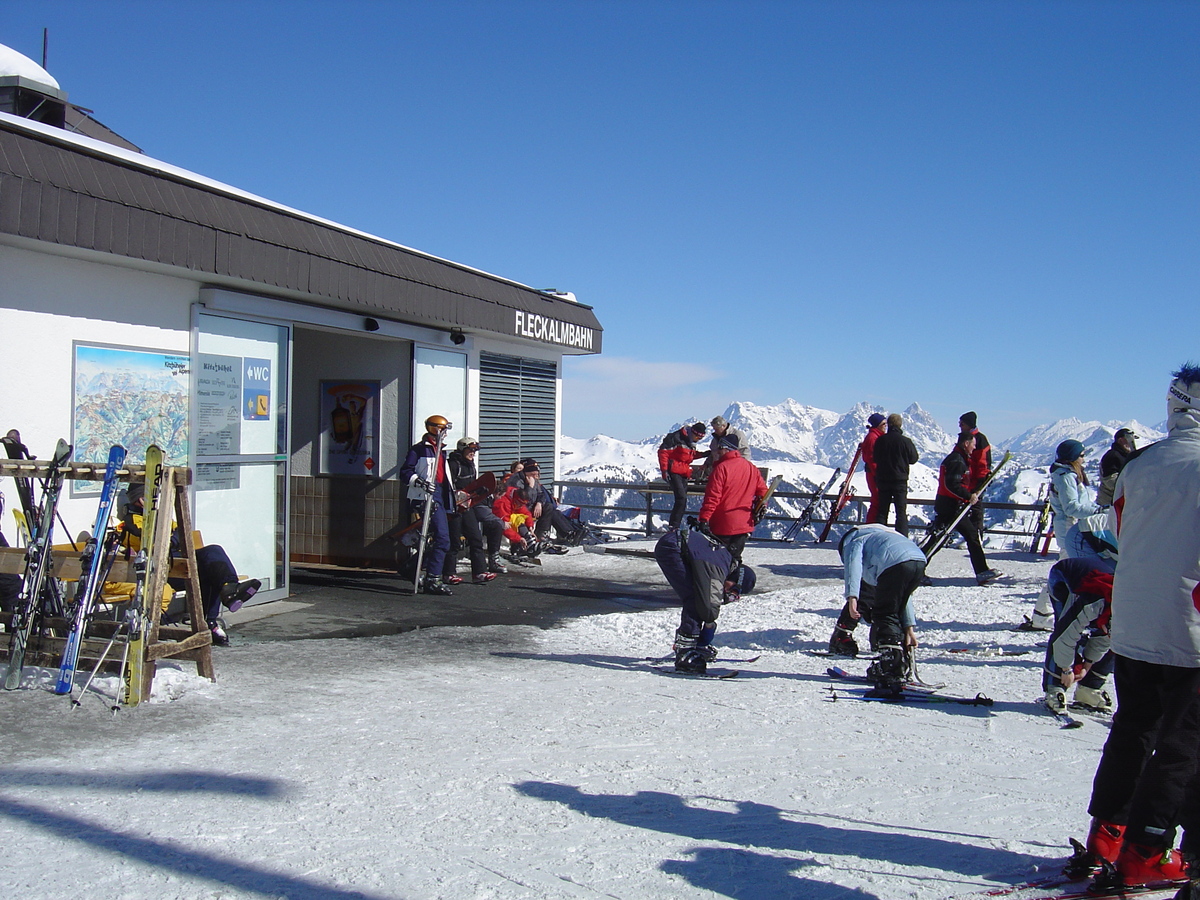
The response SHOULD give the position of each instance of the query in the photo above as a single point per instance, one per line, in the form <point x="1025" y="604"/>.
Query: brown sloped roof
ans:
<point x="65" y="191"/>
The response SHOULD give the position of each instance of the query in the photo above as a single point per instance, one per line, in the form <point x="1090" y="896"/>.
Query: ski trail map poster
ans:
<point x="129" y="396"/>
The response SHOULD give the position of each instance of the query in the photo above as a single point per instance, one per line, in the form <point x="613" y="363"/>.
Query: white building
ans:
<point x="288" y="360"/>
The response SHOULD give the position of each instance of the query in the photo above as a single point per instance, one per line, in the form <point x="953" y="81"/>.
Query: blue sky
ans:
<point x="975" y="205"/>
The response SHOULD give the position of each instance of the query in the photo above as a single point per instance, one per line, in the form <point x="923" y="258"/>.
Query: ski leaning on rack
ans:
<point x="843" y="496"/>
<point x="93" y="564"/>
<point x="804" y="520"/>
<point x="938" y="539"/>
<point x="38" y="563"/>
<point x="133" y="667"/>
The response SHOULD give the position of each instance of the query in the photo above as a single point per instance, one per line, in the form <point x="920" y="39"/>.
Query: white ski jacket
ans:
<point x="1156" y="591"/>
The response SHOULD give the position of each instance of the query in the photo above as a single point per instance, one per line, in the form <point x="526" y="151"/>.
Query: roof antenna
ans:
<point x="45" y="46"/>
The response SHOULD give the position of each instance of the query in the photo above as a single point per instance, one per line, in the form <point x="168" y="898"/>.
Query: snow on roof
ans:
<point x="20" y="65"/>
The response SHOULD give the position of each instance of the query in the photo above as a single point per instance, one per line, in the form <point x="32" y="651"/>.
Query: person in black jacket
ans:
<point x="472" y="519"/>
<point x="1123" y="448"/>
<point x="952" y="495"/>
<point x="894" y="453"/>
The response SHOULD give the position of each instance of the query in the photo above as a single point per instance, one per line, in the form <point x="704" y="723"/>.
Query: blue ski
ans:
<point x="91" y="578"/>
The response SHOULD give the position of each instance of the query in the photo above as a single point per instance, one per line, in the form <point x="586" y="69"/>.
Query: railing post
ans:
<point x="649" y="512"/>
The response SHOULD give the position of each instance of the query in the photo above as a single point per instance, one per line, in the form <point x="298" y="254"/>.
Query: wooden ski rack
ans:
<point x="192" y="642"/>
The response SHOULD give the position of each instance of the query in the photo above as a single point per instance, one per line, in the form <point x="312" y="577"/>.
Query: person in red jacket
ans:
<point x="727" y="512"/>
<point x="513" y="509"/>
<point x="980" y="463"/>
<point x="875" y="423"/>
<point x="675" y="455"/>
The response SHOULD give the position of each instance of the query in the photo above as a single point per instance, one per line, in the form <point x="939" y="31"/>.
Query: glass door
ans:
<point x="239" y="426"/>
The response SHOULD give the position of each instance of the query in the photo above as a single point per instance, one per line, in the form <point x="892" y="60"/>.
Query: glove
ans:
<point x="705" y="529"/>
<point x="424" y="485"/>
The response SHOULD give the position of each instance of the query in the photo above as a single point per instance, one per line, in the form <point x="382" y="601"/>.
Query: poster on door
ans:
<point x="349" y="427"/>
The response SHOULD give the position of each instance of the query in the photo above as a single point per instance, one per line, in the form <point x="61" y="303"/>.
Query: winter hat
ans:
<point x="1069" y="451"/>
<point x="968" y="420"/>
<point x="697" y="429"/>
<point x="875" y="419"/>
<point x="729" y="441"/>
<point x="740" y="581"/>
<point x="719" y="422"/>
<point x="1184" y="392"/>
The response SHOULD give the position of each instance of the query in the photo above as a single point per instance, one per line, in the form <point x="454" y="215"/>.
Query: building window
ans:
<point x="516" y="411"/>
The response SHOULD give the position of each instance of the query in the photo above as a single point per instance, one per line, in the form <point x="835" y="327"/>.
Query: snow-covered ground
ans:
<point x="514" y="762"/>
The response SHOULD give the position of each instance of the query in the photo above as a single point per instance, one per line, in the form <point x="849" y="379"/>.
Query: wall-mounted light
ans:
<point x="457" y="336"/>
<point x="371" y="324"/>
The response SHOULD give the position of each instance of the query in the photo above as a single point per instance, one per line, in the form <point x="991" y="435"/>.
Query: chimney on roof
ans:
<point x="27" y="90"/>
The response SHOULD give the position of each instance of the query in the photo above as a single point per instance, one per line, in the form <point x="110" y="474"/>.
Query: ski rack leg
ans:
<point x="78" y="701"/>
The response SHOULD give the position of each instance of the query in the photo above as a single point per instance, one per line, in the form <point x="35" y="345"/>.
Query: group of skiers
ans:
<point x="456" y="504"/>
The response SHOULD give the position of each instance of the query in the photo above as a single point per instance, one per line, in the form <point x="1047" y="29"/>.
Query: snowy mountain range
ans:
<point x="805" y="444"/>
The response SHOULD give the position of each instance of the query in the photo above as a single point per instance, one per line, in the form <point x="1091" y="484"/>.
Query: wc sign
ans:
<point x="256" y="388"/>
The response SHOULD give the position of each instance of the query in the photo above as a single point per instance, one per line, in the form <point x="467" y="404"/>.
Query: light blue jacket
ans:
<point x="1069" y="498"/>
<point x="871" y="549"/>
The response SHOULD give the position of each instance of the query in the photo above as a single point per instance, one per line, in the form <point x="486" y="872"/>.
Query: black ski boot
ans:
<point x="842" y="643"/>
<point x="1191" y="890"/>
<point x="704" y="643"/>
<point x="888" y="671"/>
<point x="433" y="585"/>
<point x="689" y="658"/>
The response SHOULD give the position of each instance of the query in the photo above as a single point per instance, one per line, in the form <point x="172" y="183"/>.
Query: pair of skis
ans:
<point x="804" y="520"/>
<point x="36" y="583"/>
<point x="136" y="625"/>
<point x="97" y="557"/>
<point x="843" y="496"/>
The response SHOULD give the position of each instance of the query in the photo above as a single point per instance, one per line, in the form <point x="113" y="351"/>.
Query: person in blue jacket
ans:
<point x="882" y="569"/>
<point x="424" y="471"/>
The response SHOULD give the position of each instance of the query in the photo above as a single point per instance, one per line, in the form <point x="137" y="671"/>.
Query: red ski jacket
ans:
<point x="729" y="498"/>
<point x="676" y="452"/>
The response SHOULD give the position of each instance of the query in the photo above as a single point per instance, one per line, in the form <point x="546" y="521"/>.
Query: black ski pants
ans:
<point x="894" y="494"/>
<point x="882" y="605"/>
<point x="944" y="514"/>
<point x="1147" y="778"/>
<point x="678" y="484"/>
<point x="474" y="524"/>
<point x="564" y="528"/>
<point x="697" y="571"/>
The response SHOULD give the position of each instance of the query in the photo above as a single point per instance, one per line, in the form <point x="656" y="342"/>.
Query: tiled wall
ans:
<point x="344" y="520"/>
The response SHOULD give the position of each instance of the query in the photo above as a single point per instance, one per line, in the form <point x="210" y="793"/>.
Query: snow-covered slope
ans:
<point x="805" y="444"/>
<point x="1036" y="446"/>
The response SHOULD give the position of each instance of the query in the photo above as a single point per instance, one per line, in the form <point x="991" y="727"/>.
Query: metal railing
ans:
<point x="854" y="512"/>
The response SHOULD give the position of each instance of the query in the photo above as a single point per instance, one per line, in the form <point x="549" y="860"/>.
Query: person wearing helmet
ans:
<point x="424" y="471"/>
<point x="675" y="455"/>
<point x="882" y="568"/>
<point x="472" y="519"/>
<point x="1079" y="651"/>
<point x="1071" y="503"/>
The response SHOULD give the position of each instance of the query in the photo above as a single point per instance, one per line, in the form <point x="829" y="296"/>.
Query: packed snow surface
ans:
<point x="515" y="762"/>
